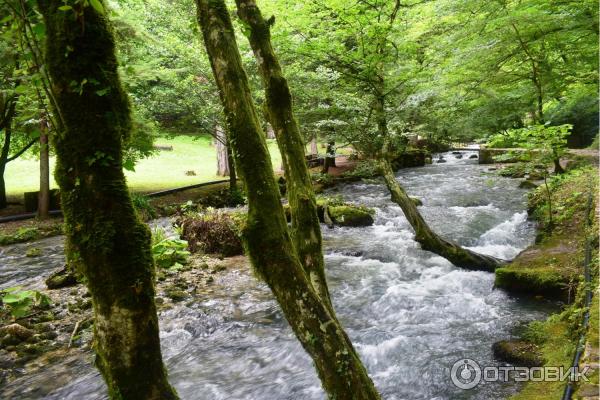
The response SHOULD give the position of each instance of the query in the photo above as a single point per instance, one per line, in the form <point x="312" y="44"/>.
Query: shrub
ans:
<point x="322" y="179"/>
<point x="364" y="169"/>
<point x="223" y="198"/>
<point x="213" y="231"/>
<point x="143" y="207"/>
<point x="168" y="253"/>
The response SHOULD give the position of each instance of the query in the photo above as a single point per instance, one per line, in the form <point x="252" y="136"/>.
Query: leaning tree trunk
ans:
<point x="44" y="193"/>
<point x="306" y="228"/>
<point x="428" y="239"/>
<point x="103" y="231"/>
<point x="266" y="235"/>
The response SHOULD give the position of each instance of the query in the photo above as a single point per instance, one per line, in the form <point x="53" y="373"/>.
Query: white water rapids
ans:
<point x="410" y="314"/>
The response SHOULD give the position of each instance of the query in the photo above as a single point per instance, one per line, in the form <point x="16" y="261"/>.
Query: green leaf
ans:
<point x="97" y="6"/>
<point x="129" y="165"/>
<point x="21" y="89"/>
<point x="39" y="30"/>
<point x="65" y="8"/>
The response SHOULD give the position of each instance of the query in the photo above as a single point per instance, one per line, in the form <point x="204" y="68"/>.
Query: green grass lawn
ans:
<point x="164" y="170"/>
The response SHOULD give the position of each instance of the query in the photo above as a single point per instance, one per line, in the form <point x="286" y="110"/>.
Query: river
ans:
<point x="410" y="313"/>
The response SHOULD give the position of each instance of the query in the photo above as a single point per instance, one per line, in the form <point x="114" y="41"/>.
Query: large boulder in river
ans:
<point x="527" y="184"/>
<point x="350" y="215"/>
<point x="517" y="352"/>
<point x="64" y="277"/>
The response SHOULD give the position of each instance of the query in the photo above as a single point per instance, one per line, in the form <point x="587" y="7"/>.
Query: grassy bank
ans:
<point x="164" y="170"/>
<point x="553" y="268"/>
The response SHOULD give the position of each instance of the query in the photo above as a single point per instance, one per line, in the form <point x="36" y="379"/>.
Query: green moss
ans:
<point x="533" y="281"/>
<point x="592" y="334"/>
<point x="556" y="350"/>
<point x="518" y="352"/>
<point x="351" y="215"/>
<point x="33" y="252"/>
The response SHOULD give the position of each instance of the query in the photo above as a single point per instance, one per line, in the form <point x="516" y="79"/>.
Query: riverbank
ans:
<point x="567" y="214"/>
<point x="405" y="309"/>
<point x="62" y="329"/>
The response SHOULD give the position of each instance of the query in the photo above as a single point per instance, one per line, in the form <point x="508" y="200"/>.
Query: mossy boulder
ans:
<point x="64" y="277"/>
<point x="533" y="281"/>
<point x="518" y="352"/>
<point x="350" y="215"/>
<point x="527" y="184"/>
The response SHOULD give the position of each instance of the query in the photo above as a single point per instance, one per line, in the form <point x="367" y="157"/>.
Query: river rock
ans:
<point x="459" y="156"/>
<point x="64" y="277"/>
<point x="441" y="160"/>
<point x="518" y="352"/>
<point x="352" y="253"/>
<point x="16" y="331"/>
<point x="349" y="215"/>
<point x="527" y="184"/>
<point x="473" y="156"/>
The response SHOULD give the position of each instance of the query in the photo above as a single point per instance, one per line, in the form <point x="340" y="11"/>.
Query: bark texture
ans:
<point x="306" y="228"/>
<point x="266" y="236"/>
<point x="44" y="194"/>
<point x="111" y="245"/>
<point x="221" y="147"/>
<point x="329" y="157"/>
<point x="428" y="239"/>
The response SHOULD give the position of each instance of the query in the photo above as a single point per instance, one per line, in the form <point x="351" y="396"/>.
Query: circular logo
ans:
<point x="465" y="374"/>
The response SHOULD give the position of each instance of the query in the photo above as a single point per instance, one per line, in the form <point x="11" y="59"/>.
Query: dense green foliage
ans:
<point x="447" y="70"/>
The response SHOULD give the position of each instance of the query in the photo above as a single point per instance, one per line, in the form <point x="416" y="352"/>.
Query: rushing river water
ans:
<point x="410" y="313"/>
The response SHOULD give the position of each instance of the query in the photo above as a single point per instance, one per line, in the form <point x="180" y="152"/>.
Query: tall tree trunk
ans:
<point x="103" y="231"/>
<point x="270" y="131"/>
<point x="314" y="148"/>
<point x="266" y="235"/>
<point x="329" y="157"/>
<point x="3" y="200"/>
<point x="232" y="174"/>
<point x="558" y="169"/>
<point x="306" y="228"/>
<point x="8" y="111"/>
<point x="221" y="146"/>
<point x="44" y="193"/>
<point x="3" y="162"/>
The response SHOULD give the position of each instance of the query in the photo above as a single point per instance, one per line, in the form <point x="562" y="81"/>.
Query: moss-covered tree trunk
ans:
<point x="266" y="236"/>
<point x="111" y="244"/>
<point x="306" y="228"/>
<point x="428" y="239"/>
